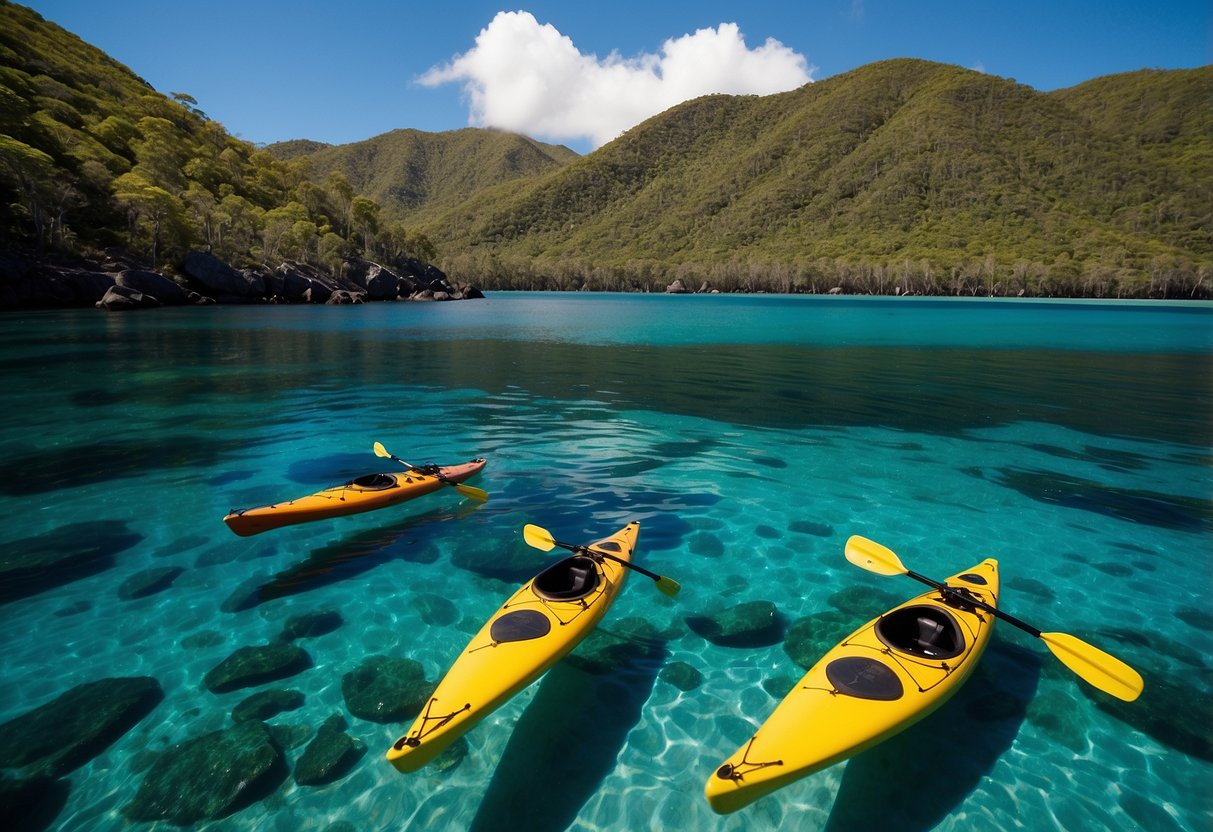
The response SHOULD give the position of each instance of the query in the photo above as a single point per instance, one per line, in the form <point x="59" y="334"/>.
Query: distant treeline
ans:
<point x="1168" y="277"/>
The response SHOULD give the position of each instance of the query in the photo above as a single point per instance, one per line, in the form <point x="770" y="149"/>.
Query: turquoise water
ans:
<point x="750" y="436"/>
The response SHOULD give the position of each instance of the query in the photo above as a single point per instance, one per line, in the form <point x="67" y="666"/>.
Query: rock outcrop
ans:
<point x="118" y="283"/>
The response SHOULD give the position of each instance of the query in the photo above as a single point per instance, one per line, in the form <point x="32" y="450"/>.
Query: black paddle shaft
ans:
<point x="997" y="613"/>
<point x="586" y="550"/>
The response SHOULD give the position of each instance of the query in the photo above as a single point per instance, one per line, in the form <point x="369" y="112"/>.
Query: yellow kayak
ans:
<point x="539" y="624"/>
<point x="358" y="495"/>
<point x="881" y="679"/>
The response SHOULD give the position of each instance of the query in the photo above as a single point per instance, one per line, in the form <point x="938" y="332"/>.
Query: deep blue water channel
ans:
<point x="750" y="436"/>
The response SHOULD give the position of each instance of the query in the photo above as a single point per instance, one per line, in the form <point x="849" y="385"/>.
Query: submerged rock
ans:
<point x="1197" y="619"/>
<point x="778" y="686"/>
<point x="706" y="544"/>
<point x="148" y="582"/>
<point x="626" y="642"/>
<point x="211" y="776"/>
<point x="1175" y="711"/>
<point x="203" y="638"/>
<point x="290" y="737"/>
<point x="811" y="637"/>
<point x="810" y="527"/>
<point x="70" y="730"/>
<point x="251" y="666"/>
<point x="383" y="689"/>
<point x="435" y="610"/>
<point x="247" y="595"/>
<point x="681" y="675"/>
<point x="329" y="756"/>
<point x="752" y="624"/>
<point x="266" y="704"/>
<point x="863" y="602"/>
<point x="77" y="550"/>
<point x="311" y="624"/>
<point x="451" y="757"/>
<point x="32" y="803"/>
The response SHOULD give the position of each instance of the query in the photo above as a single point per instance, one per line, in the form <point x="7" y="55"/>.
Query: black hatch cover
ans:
<point x="864" y="678"/>
<point x="520" y="625"/>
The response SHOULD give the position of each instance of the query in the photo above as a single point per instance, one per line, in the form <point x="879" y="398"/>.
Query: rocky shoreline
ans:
<point x="120" y="283"/>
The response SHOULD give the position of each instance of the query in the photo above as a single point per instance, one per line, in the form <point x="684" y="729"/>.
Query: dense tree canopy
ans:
<point x="901" y="176"/>
<point x="91" y="156"/>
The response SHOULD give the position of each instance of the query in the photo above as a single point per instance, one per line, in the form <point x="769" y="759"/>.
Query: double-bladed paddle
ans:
<point x="470" y="491"/>
<point x="1105" y="672"/>
<point x="542" y="539"/>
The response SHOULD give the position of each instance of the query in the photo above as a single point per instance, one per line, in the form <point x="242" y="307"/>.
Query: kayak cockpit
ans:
<point x="373" y="482"/>
<point x="568" y="580"/>
<point x="922" y="630"/>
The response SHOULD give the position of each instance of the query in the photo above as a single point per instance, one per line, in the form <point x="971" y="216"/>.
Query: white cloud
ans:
<point x="529" y="78"/>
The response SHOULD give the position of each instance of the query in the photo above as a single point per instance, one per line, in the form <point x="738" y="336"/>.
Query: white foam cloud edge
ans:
<point x="528" y="78"/>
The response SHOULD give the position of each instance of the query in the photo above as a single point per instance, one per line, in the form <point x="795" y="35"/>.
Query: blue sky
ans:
<point x="578" y="73"/>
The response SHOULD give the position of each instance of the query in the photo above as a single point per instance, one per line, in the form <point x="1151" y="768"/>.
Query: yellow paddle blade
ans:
<point x="382" y="451"/>
<point x="668" y="585"/>
<point x="870" y="555"/>
<point x="1105" y="672"/>
<point x="472" y="492"/>
<point x="538" y="537"/>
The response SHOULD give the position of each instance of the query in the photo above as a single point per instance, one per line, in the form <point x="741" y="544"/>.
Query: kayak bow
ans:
<point x="536" y="627"/>
<point x="880" y="680"/>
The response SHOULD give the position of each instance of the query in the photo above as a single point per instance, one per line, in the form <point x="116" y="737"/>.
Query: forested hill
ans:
<point x="902" y="175"/>
<point x="899" y="176"/>
<point x="92" y="157"/>
<point x="410" y="171"/>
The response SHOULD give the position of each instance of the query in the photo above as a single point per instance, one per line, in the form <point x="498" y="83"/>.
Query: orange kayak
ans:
<point x="365" y="493"/>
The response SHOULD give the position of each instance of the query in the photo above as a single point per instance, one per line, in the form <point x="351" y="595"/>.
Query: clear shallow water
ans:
<point x="749" y="435"/>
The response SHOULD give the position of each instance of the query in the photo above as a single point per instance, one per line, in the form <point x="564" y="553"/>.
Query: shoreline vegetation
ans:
<point x="1166" y="279"/>
<point x="902" y="177"/>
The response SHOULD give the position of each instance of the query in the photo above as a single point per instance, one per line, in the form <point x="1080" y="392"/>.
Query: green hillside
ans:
<point x="412" y="173"/>
<point x="900" y="175"/>
<point x="91" y="156"/>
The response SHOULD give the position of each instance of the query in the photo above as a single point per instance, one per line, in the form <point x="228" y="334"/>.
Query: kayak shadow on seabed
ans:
<point x="571" y="733"/>
<point x="921" y="775"/>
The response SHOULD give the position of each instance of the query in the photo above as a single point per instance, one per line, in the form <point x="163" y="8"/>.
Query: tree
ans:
<point x="151" y="210"/>
<point x="33" y="174"/>
<point x="341" y="192"/>
<point x="332" y="249"/>
<point x="365" y="215"/>
<point x="201" y="203"/>
<point x="277" y="228"/>
<point x="237" y="224"/>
